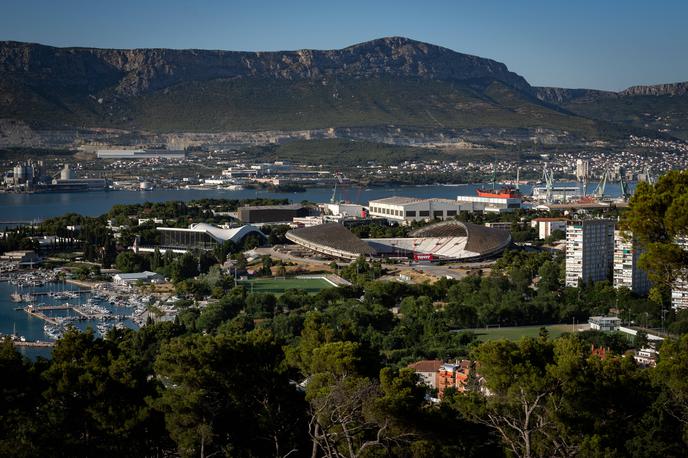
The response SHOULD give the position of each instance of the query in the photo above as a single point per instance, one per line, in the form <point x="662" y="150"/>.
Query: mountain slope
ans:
<point x="390" y="81"/>
<point x="136" y="71"/>
<point x="662" y="108"/>
<point x="390" y="87"/>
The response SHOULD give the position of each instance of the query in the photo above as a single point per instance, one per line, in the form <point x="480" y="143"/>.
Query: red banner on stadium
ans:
<point x="422" y="257"/>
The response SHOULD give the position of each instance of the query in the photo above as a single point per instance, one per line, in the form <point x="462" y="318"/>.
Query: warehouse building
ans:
<point x="489" y="204"/>
<point x="275" y="213"/>
<point x="136" y="154"/>
<point x="409" y="209"/>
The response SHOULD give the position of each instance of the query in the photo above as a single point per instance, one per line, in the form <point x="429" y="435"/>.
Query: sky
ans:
<point x="602" y="44"/>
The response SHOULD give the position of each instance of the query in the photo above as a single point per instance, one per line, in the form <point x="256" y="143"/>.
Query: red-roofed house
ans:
<point x="427" y="370"/>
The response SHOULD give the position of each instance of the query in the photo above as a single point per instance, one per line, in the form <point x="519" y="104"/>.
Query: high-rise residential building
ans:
<point x="679" y="290"/>
<point x="589" y="250"/>
<point x="582" y="169"/>
<point x="626" y="271"/>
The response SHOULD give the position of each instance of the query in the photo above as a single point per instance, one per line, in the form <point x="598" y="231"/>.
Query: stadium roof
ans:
<point x="452" y="240"/>
<point x="333" y="239"/>
<point x="481" y="239"/>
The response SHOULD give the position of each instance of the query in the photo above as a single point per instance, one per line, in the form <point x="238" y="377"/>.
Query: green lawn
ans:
<point x="515" y="333"/>
<point x="279" y="286"/>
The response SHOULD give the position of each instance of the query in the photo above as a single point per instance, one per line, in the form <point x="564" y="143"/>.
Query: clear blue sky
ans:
<point x="603" y="44"/>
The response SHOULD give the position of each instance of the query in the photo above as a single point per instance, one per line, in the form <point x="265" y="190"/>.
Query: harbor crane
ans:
<point x="601" y="186"/>
<point x="548" y="179"/>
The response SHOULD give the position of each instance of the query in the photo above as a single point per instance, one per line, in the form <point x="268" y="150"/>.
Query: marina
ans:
<point x="35" y="311"/>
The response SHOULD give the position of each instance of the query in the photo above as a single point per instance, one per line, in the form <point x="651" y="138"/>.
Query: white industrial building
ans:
<point x="589" y="250"/>
<point x="343" y="209"/>
<point x="140" y="154"/>
<point x="408" y="209"/>
<point x="501" y="225"/>
<point x="560" y="193"/>
<point x="489" y="204"/>
<point x="68" y="181"/>
<point x="626" y="271"/>
<point x="545" y="226"/>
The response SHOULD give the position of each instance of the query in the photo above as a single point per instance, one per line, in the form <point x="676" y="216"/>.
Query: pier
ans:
<point x="33" y="344"/>
<point x="48" y="293"/>
<point x="38" y="312"/>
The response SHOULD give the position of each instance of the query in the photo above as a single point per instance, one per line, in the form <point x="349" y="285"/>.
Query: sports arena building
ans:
<point x="445" y="241"/>
<point x="201" y="236"/>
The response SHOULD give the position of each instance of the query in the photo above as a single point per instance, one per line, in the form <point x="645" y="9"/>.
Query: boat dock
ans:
<point x="38" y="312"/>
<point x="48" y="293"/>
<point x="33" y="344"/>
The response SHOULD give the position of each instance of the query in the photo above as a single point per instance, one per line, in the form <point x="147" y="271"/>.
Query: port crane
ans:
<point x="548" y="179"/>
<point x="601" y="186"/>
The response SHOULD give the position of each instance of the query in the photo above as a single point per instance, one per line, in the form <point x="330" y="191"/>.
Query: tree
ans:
<point x="657" y="218"/>
<point x="266" y="268"/>
<point x="128" y="261"/>
<point x="19" y="400"/>
<point x="185" y="266"/>
<point x="228" y="394"/>
<point x="672" y="373"/>
<point x="95" y="401"/>
<point x="521" y="390"/>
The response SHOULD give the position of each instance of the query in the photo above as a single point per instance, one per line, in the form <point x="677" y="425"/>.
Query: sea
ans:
<point x="30" y="207"/>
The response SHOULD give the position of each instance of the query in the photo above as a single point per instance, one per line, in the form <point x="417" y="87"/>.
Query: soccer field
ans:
<point x="515" y="333"/>
<point x="279" y="285"/>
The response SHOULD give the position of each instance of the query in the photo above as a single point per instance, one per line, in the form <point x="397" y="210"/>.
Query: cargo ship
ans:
<point x="505" y="192"/>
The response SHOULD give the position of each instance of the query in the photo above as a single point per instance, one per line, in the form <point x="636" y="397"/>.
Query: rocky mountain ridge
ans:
<point x="563" y="95"/>
<point x="132" y="72"/>
<point x="393" y="90"/>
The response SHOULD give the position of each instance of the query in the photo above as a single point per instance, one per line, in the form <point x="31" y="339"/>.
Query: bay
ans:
<point x="29" y="207"/>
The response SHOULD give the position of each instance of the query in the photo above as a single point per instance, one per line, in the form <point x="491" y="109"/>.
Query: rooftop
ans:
<point x="396" y="200"/>
<point x="481" y="239"/>
<point x="332" y="235"/>
<point x="273" y="207"/>
<point x="138" y="275"/>
<point x="426" y="365"/>
<point x="218" y="233"/>
<point x="403" y="200"/>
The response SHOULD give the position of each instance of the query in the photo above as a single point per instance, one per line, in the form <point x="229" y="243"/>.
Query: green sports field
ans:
<point x="279" y="285"/>
<point x="515" y="333"/>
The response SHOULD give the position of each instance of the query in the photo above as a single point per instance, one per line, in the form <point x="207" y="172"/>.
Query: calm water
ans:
<point x="31" y="327"/>
<point x="27" y="207"/>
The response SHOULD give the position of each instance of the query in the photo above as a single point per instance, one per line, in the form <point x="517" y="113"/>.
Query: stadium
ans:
<point x="445" y="241"/>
